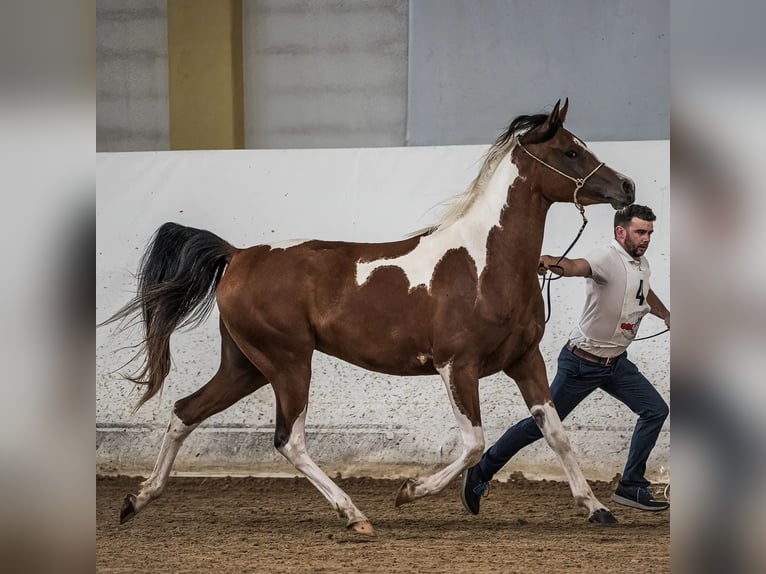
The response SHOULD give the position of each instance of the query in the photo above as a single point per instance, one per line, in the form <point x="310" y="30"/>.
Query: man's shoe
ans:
<point x="638" y="497"/>
<point x="474" y="487"/>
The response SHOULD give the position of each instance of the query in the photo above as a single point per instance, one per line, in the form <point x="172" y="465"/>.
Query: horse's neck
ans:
<point x="522" y="226"/>
<point x="513" y="247"/>
<point x="473" y="228"/>
<point x="505" y="222"/>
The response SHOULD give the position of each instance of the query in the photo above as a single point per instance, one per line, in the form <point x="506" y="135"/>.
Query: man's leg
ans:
<point x="632" y="388"/>
<point x="629" y="386"/>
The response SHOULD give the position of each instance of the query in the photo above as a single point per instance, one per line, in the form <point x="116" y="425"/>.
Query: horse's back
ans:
<point x="309" y="291"/>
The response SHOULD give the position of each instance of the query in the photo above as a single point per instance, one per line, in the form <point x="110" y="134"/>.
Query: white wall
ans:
<point x="359" y="422"/>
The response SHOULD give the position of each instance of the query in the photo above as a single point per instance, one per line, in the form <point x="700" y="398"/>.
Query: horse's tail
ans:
<point x="177" y="278"/>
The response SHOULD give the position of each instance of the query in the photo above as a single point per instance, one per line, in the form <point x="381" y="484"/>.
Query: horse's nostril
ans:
<point x="629" y="187"/>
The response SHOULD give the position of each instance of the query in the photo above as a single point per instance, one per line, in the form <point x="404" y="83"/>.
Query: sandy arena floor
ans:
<point x="285" y="525"/>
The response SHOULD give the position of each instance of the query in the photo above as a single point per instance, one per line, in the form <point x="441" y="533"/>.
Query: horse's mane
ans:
<point x="503" y="144"/>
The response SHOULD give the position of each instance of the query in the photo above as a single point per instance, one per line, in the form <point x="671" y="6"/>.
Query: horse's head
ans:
<point x="562" y="167"/>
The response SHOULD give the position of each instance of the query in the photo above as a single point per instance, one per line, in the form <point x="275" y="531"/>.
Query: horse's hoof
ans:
<point x="128" y="509"/>
<point x="362" y="527"/>
<point x="405" y="493"/>
<point x="602" y="516"/>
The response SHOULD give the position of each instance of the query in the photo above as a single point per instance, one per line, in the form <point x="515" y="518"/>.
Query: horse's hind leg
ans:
<point x="153" y="486"/>
<point x="530" y="376"/>
<point x="291" y="388"/>
<point x="235" y="379"/>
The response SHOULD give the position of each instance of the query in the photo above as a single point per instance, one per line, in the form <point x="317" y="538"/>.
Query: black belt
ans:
<point x="590" y="357"/>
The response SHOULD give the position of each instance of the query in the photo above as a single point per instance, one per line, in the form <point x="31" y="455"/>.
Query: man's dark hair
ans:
<point x="622" y="217"/>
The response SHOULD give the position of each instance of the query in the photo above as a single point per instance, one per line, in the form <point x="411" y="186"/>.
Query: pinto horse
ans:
<point x="460" y="299"/>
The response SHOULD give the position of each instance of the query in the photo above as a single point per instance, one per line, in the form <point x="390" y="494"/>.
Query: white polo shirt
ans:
<point x="615" y="301"/>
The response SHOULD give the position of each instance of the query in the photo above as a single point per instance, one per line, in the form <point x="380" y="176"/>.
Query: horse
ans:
<point x="460" y="298"/>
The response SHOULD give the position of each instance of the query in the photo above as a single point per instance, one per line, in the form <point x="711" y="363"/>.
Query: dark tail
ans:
<point x="177" y="278"/>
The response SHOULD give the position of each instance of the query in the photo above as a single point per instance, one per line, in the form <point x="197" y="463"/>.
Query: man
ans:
<point x="617" y="298"/>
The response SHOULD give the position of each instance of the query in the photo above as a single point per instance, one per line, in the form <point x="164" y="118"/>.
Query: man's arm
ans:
<point x="658" y="309"/>
<point x="565" y="267"/>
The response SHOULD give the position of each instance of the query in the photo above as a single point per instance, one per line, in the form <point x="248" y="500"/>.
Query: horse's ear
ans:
<point x="563" y="112"/>
<point x="545" y="131"/>
<point x="553" y="117"/>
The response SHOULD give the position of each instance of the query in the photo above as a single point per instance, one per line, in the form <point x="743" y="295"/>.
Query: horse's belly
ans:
<point x="389" y="353"/>
<point x="512" y="349"/>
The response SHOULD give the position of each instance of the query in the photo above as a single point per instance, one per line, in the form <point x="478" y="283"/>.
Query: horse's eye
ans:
<point x="571" y="154"/>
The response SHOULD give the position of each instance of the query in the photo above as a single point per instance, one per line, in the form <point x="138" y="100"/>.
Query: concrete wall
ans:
<point x="343" y="73"/>
<point x="359" y="422"/>
<point x="325" y="73"/>
<point x="472" y="62"/>
<point x="132" y="110"/>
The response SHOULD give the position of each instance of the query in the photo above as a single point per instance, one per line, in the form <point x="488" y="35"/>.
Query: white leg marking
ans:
<point x="473" y="446"/>
<point x="174" y="437"/>
<point x="555" y="435"/>
<point x="295" y="452"/>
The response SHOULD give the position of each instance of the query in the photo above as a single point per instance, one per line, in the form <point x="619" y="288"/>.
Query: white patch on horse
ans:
<point x="555" y="435"/>
<point x="579" y="142"/>
<point x="295" y="452"/>
<point x="287" y="243"/>
<point x="473" y="446"/>
<point x="473" y="436"/>
<point x="153" y="486"/>
<point x="470" y="232"/>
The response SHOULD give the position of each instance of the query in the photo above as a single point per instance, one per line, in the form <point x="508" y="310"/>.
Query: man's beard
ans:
<point x="633" y="249"/>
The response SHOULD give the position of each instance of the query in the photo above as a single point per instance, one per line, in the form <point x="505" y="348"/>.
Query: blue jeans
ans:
<point x="575" y="379"/>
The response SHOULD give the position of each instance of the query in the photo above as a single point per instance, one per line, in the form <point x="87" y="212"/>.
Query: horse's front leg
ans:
<point x="532" y="380"/>
<point x="462" y="384"/>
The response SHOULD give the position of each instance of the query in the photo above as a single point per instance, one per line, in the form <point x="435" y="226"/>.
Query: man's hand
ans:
<point x="563" y="266"/>
<point x="545" y="262"/>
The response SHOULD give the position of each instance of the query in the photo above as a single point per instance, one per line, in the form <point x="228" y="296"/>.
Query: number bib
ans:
<point x="615" y="301"/>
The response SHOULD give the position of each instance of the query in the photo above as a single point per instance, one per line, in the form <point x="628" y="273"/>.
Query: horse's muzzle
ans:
<point x="629" y="188"/>
<point x="625" y="196"/>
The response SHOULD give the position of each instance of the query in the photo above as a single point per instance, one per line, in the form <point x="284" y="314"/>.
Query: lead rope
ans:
<point x="651" y="336"/>
<point x="548" y="277"/>
<point x="579" y="183"/>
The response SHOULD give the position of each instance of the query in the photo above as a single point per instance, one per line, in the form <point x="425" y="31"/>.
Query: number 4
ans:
<point x="640" y="293"/>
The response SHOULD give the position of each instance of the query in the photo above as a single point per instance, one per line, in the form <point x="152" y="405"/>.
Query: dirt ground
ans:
<point x="284" y="525"/>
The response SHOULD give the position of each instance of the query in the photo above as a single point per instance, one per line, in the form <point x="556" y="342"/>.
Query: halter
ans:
<point x="579" y="182"/>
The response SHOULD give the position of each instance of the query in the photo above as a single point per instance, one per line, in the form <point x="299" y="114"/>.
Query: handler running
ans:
<point x="617" y="298"/>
